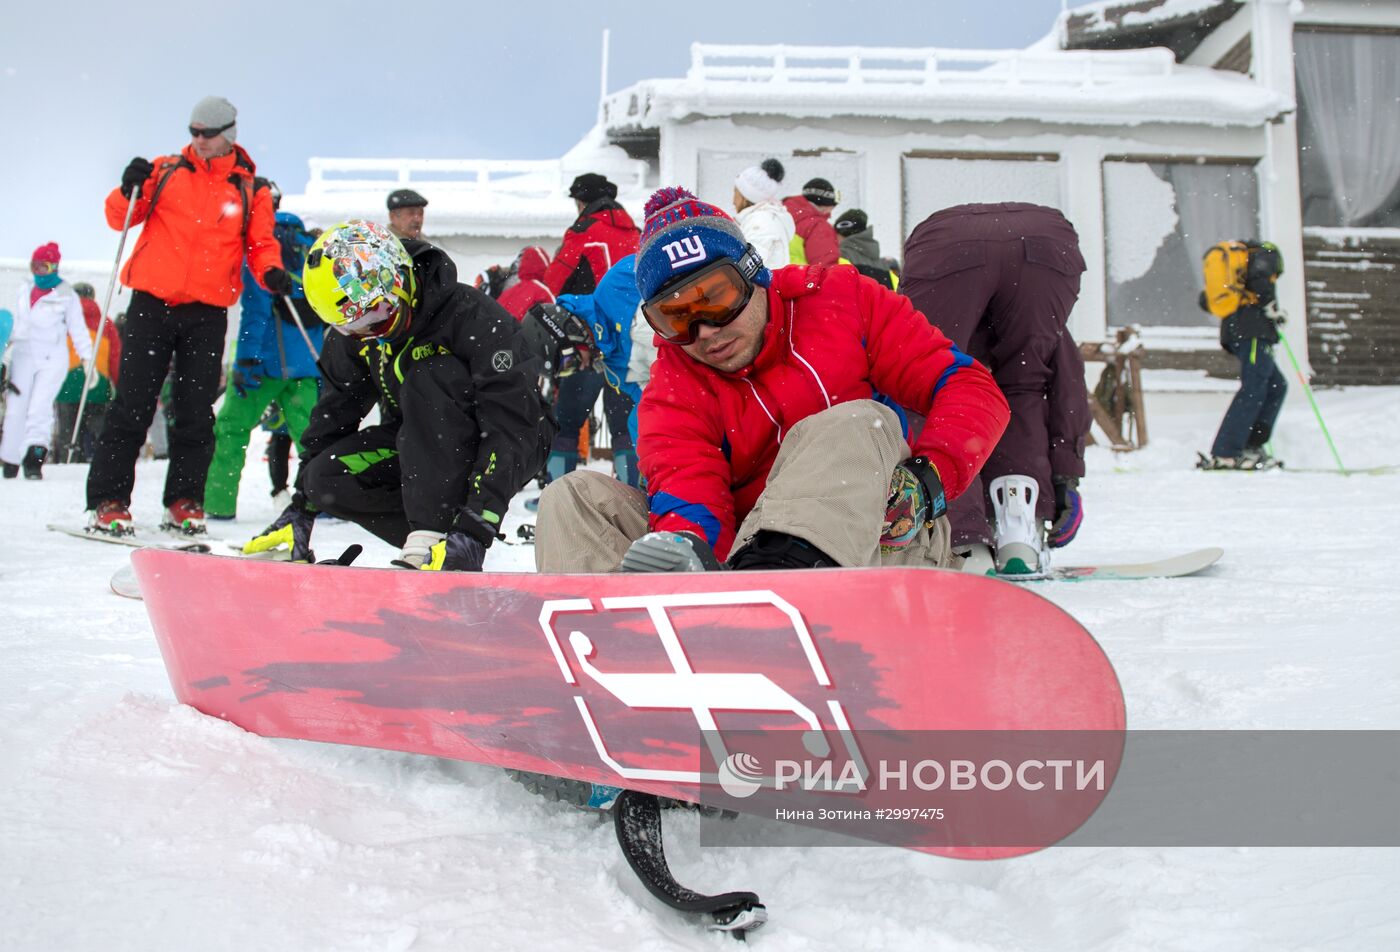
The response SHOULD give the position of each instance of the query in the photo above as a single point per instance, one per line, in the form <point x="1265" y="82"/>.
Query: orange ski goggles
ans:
<point x="714" y="295"/>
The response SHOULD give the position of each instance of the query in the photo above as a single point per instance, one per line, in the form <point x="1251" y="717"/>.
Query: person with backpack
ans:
<point x="279" y="340"/>
<point x="203" y="214"/>
<point x="1241" y="280"/>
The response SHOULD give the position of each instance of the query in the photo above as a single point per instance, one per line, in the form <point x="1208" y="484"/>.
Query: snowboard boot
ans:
<point x="670" y="552"/>
<point x="1020" y="536"/>
<point x="977" y="558"/>
<point x="112" y="518"/>
<point x="184" y="517"/>
<point x="778" y="550"/>
<point x="33" y="462"/>
<point x="11" y="470"/>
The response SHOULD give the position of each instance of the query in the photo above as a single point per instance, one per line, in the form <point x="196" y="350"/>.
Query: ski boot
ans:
<point x="184" y="517"/>
<point x="111" y="518"/>
<point x="33" y="462"/>
<point x="1260" y="458"/>
<point x="11" y="470"/>
<point x="1020" y="536"/>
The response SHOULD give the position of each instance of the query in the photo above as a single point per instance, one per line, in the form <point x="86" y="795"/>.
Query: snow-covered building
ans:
<point x="1157" y="126"/>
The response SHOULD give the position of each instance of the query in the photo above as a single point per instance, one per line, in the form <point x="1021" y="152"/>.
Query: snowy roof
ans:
<point x="505" y="198"/>
<point x="1179" y="25"/>
<point x="1118" y="87"/>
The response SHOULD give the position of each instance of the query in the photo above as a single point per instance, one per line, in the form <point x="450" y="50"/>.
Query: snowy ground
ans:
<point x="130" y="822"/>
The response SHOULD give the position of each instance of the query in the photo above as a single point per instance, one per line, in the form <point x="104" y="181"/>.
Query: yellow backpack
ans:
<point x="1232" y="268"/>
<point x="1224" y="267"/>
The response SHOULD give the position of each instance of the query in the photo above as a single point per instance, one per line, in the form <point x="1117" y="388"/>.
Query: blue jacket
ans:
<point x="609" y="311"/>
<point x="7" y="324"/>
<point x="274" y="342"/>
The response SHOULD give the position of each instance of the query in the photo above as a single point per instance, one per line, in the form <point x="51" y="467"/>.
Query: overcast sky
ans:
<point x="85" y="86"/>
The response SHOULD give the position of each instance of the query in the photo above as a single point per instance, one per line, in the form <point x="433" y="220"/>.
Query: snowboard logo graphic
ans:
<point x="701" y="693"/>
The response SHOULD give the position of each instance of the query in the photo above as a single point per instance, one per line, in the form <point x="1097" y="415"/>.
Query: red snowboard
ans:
<point x="868" y="691"/>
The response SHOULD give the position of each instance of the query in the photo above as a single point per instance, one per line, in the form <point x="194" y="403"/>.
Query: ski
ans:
<point x="637" y="820"/>
<point x="137" y="538"/>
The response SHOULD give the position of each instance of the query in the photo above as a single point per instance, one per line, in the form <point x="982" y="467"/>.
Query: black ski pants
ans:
<point x="193" y="335"/>
<point x="360" y="479"/>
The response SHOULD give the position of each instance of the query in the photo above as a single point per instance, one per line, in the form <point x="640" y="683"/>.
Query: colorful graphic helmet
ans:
<point x="359" y="280"/>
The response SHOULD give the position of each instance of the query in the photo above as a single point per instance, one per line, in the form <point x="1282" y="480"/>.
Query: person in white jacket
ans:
<point x="48" y="311"/>
<point x="766" y="224"/>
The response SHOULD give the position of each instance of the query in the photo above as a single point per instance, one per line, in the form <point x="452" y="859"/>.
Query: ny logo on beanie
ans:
<point x="687" y="251"/>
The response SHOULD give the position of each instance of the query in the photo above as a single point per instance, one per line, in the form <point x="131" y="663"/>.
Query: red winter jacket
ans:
<point x="194" y="242"/>
<point x="816" y="237"/>
<point x="529" y="288"/>
<point x="706" y="439"/>
<point x="601" y="237"/>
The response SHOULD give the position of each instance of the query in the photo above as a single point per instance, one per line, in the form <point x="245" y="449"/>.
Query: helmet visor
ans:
<point x="715" y="295"/>
<point x="379" y="320"/>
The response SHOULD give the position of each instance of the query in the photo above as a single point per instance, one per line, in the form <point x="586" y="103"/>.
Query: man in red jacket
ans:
<point x="203" y="212"/>
<point x="776" y="428"/>
<point x="602" y="235"/>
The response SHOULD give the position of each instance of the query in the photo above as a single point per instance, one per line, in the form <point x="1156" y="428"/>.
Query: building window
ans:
<point x="1159" y="219"/>
<point x="934" y="181"/>
<point x="1348" y="127"/>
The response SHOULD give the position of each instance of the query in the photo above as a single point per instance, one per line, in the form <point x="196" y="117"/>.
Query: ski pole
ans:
<point x="102" y="323"/>
<point x="1316" y="412"/>
<point x="296" y="319"/>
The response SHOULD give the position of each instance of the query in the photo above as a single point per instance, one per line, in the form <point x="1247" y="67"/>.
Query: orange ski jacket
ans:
<point x="200" y="220"/>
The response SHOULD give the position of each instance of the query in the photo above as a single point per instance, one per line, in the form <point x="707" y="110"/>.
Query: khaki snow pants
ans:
<point x="829" y="485"/>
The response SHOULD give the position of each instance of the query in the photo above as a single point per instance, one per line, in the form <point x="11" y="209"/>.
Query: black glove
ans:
<point x="136" y="173"/>
<point x="475" y="525"/>
<point x="278" y="281"/>
<point x="243" y="379"/>
<point x="292" y="529"/>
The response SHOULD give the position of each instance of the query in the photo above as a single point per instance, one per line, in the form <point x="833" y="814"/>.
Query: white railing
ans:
<point x="469" y="176"/>
<point x="859" y="66"/>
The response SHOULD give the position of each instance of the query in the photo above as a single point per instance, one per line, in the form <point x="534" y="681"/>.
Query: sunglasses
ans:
<point x="210" y="133"/>
<point x="714" y="295"/>
<point x="42" y="267"/>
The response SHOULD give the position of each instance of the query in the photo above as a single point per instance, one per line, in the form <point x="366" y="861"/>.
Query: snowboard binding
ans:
<point x="1020" y="536"/>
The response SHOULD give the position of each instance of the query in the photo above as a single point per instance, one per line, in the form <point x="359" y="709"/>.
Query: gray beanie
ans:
<point x="215" y="112"/>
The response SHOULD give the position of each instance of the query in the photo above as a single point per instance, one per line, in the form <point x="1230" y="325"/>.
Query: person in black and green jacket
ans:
<point x="462" y="426"/>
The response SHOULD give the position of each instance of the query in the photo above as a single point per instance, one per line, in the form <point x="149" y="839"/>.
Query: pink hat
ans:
<point x="48" y="253"/>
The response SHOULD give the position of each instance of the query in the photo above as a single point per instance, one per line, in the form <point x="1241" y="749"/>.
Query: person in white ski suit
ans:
<point x="48" y="309"/>
<point x="766" y="224"/>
